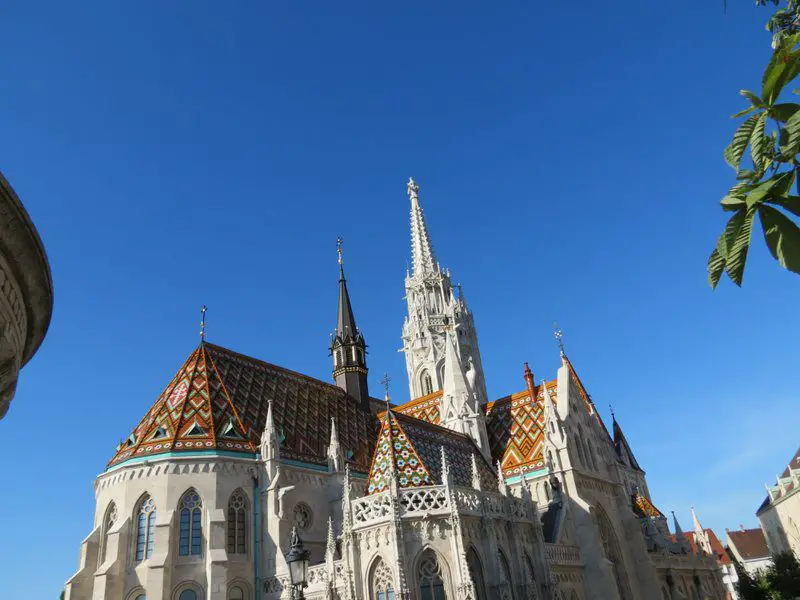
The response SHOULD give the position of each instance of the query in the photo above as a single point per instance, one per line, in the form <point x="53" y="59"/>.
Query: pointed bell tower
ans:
<point x="348" y="349"/>
<point x="434" y="308"/>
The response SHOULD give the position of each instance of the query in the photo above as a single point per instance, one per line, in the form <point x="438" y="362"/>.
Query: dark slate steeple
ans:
<point x="622" y="447"/>
<point x="348" y="348"/>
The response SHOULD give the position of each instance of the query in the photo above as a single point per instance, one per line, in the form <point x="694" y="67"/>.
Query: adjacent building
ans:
<point x="451" y="495"/>
<point x="779" y="514"/>
<point x="26" y="292"/>
<point x="749" y="548"/>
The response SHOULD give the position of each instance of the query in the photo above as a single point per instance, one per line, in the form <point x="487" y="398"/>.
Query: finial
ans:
<point x="385" y="382"/>
<point x="339" y="242"/>
<point x="413" y="189"/>
<point x="613" y="415"/>
<point x="203" y="323"/>
<point x="559" y="335"/>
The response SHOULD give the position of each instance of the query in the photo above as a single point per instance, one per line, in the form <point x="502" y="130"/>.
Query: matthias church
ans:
<point x="453" y="495"/>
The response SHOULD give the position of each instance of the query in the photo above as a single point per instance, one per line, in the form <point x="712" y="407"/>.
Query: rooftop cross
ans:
<point x="385" y="382"/>
<point x="203" y="323"/>
<point x="559" y="335"/>
<point x="339" y="242"/>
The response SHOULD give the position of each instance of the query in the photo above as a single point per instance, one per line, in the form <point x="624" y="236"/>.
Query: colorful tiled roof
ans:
<point x="415" y="447"/>
<point x="515" y="425"/>
<point x="426" y="408"/>
<point x="749" y="543"/>
<point x="218" y="401"/>
<point x="644" y="508"/>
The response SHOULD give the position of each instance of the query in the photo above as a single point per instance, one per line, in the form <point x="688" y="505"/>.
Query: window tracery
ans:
<point x="382" y="582"/>
<point x="190" y="530"/>
<point x="429" y="575"/>
<point x="145" y="528"/>
<point x="237" y="523"/>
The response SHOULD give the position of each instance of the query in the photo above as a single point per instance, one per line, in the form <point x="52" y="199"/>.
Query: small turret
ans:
<point x="348" y="349"/>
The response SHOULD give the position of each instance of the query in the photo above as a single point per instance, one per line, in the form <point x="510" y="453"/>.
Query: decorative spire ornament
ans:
<point x="203" y="323"/>
<point x="559" y="335"/>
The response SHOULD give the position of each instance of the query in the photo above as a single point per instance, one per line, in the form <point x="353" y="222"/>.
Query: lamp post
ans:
<point x="297" y="559"/>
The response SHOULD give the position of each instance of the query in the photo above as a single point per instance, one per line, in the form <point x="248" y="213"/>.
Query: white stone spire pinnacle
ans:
<point x="424" y="260"/>
<point x="335" y="455"/>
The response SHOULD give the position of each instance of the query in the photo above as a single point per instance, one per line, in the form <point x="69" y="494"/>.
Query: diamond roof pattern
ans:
<point x="218" y="400"/>
<point x="415" y="447"/>
<point x="644" y="508"/>
<point x="515" y="425"/>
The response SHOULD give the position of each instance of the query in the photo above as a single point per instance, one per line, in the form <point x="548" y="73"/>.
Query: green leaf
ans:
<point x="782" y="112"/>
<point x="745" y="175"/>
<point x="744" y="112"/>
<point x="791" y="140"/>
<point x="754" y="99"/>
<point x="758" y="142"/>
<point x="782" y="237"/>
<point x="790" y="203"/>
<point x="777" y="185"/>
<point x="733" y="202"/>
<point x="716" y="265"/>
<point x="735" y="150"/>
<point x="738" y="244"/>
<point x="782" y="68"/>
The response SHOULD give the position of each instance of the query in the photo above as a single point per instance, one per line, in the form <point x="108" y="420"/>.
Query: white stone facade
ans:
<point x="215" y="525"/>
<point x="779" y="515"/>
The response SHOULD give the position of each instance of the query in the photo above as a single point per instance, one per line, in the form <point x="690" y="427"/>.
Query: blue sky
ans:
<point x="570" y="163"/>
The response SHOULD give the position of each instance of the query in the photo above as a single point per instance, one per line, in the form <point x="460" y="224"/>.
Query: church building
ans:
<point x="451" y="496"/>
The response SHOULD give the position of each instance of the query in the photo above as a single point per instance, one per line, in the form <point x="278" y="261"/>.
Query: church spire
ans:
<point x="421" y="248"/>
<point x="348" y="348"/>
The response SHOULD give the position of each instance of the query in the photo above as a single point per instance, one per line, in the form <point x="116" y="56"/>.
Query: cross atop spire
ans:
<point x="203" y="323"/>
<point x="422" y="254"/>
<point x="559" y="335"/>
<point x="385" y="383"/>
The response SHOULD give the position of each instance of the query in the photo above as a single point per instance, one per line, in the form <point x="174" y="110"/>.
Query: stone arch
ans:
<point x="425" y="382"/>
<point x="136" y="594"/>
<point x="507" y="590"/>
<point x="109" y="520"/>
<point x="432" y="574"/>
<point x="440" y="372"/>
<point x="476" y="573"/>
<point x="184" y="590"/>
<point x="530" y="575"/>
<point x="242" y="587"/>
<point x="190" y="523"/>
<point x="382" y="580"/>
<point x="144" y="526"/>
<point x="613" y="552"/>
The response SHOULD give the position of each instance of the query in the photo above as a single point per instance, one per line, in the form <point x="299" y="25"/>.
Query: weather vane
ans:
<point x="559" y="335"/>
<point x="203" y="323"/>
<point x="412" y="188"/>
<point x="611" y="408"/>
<point x="339" y="242"/>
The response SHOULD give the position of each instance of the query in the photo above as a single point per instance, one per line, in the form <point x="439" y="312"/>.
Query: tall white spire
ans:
<point x="433" y="309"/>
<point x="422" y="255"/>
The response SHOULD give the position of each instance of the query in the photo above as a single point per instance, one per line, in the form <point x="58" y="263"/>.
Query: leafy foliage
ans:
<point x="750" y="588"/>
<point x="783" y="577"/>
<point x="772" y="133"/>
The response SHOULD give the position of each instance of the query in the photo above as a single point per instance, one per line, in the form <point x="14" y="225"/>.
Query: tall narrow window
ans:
<point x="427" y="383"/>
<point x="145" y="528"/>
<point x="476" y="574"/>
<point x="505" y="577"/>
<point x="429" y="574"/>
<point x="191" y="532"/>
<point x="530" y="576"/>
<point x="108" y="522"/>
<point x="382" y="581"/>
<point x="613" y="553"/>
<point x="237" y="523"/>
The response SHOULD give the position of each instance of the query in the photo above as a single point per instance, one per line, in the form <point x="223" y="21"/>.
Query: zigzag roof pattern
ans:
<point x="413" y="447"/>
<point x="515" y="425"/>
<point x="644" y="508"/>
<point x="218" y="400"/>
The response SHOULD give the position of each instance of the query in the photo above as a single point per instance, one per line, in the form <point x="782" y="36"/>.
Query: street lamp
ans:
<point x="297" y="558"/>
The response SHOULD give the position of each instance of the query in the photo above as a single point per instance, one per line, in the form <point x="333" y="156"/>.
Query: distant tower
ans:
<point x="433" y="310"/>
<point x="348" y="349"/>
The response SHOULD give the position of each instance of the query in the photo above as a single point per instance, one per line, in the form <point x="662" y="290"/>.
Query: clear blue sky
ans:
<point x="174" y="154"/>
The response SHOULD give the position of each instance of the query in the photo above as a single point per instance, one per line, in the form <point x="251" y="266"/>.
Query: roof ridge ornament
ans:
<point x="203" y="323"/>
<point x="559" y="335"/>
<point x="339" y="243"/>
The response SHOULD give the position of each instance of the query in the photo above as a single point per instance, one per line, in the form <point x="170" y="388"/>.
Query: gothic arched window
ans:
<point x="237" y="523"/>
<point x="191" y="529"/>
<point x="476" y="573"/>
<point x="505" y="575"/>
<point x="382" y="581"/>
<point x="109" y="518"/>
<point x="429" y="576"/>
<point x="426" y="383"/>
<point x="188" y="595"/>
<point x="530" y="576"/>
<point x="145" y="528"/>
<point x="612" y="551"/>
<point x="236" y="593"/>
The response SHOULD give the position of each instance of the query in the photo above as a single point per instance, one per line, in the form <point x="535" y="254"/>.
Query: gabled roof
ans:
<point x="413" y="448"/>
<point x="426" y="408"/>
<point x="644" y="508"/>
<point x="515" y="425"/>
<point x="750" y="544"/>
<point x="218" y="400"/>
<point x="623" y="449"/>
<point x="794" y="464"/>
<point x="719" y="552"/>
